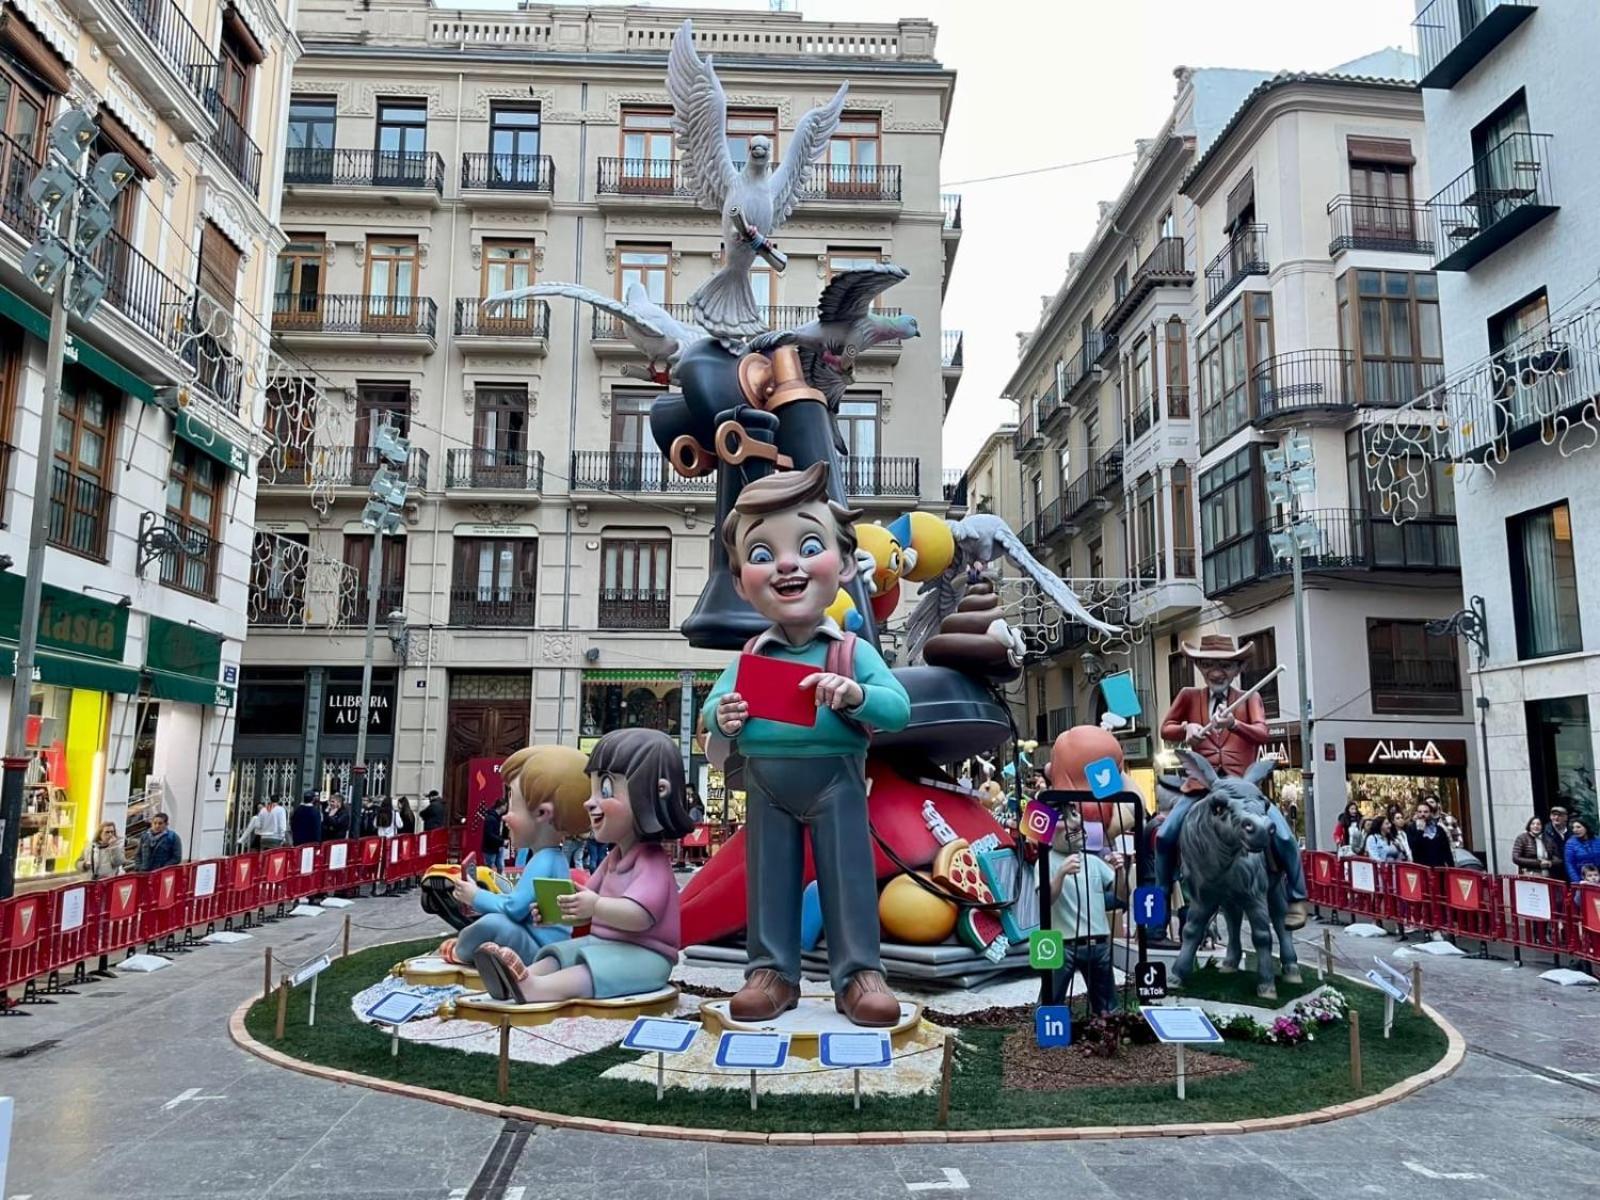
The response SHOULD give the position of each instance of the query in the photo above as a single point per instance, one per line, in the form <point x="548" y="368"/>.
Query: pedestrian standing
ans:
<point x="1555" y="840"/>
<point x="159" y="847"/>
<point x="1379" y="841"/>
<point x="1531" y="852"/>
<point x="1430" y="844"/>
<point x="336" y="821"/>
<point x="305" y="826"/>
<point x="104" y="857"/>
<point x="1583" y="848"/>
<point x="434" y="813"/>
<point x="494" y="836"/>
<point x="407" y="818"/>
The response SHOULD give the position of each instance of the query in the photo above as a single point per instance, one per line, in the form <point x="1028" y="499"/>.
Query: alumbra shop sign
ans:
<point x="1406" y="752"/>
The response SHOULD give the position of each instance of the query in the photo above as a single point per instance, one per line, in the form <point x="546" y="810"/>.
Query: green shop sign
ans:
<point x="183" y="663"/>
<point x="81" y="641"/>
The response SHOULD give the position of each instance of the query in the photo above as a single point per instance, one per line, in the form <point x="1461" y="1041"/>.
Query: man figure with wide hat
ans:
<point x="1230" y="742"/>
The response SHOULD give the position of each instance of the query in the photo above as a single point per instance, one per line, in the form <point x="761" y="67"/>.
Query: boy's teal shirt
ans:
<point x="885" y="706"/>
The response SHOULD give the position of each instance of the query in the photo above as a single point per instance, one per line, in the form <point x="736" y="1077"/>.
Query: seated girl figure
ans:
<point x="631" y="903"/>
<point x="547" y="788"/>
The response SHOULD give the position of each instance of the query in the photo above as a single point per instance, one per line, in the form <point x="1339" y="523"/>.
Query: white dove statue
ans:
<point x="753" y="200"/>
<point x="649" y="328"/>
<point x="982" y="539"/>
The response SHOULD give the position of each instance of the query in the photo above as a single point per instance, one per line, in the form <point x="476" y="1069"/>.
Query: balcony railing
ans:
<point x="1144" y="417"/>
<point x="1428" y="685"/>
<point x="1151" y="569"/>
<point x="658" y="177"/>
<point x="355" y="466"/>
<point x="1303" y="381"/>
<point x="1081" y="368"/>
<point x="234" y="146"/>
<point x="1053" y="519"/>
<point x="1095" y="484"/>
<point x="625" y="608"/>
<point x="950" y="206"/>
<point x="519" y="318"/>
<point x="486" y="467"/>
<point x="194" y="568"/>
<point x="1503" y="193"/>
<point x="950" y="349"/>
<point x="1370" y="223"/>
<point x="1026" y="437"/>
<point x="356" y="312"/>
<point x="177" y="42"/>
<point x="508" y="172"/>
<point x="608" y="326"/>
<point x="1049" y="406"/>
<point x="850" y="181"/>
<point x="631" y="471"/>
<point x="954" y="485"/>
<point x="665" y="178"/>
<point x="498" y="606"/>
<point x="1183" y="562"/>
<point x="1350" y="540"/>
<point x="1163" y="266"/>
<point x="896" y="475"/>
<point x="391" y="596"/>
<point x="1453" y="36"/>
<point x="1245" y="254"/>
<point x="405" y="169"/>
<point x="79" y="514"/>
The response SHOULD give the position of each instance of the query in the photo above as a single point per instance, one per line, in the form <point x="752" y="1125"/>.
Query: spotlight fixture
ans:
<point x="51" y="187"/>
<point x="72" y="132"/>
<point x="88" y="290"/>
<point x="110" y="175"/>
<point x="44" y="263"/>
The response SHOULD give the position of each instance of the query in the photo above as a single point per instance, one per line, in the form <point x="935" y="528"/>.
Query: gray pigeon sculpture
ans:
<point x="845" y="326"/>
<point x="649" y="328"/>
<point x="754" y="200"/>
<point x="982" y="539"/>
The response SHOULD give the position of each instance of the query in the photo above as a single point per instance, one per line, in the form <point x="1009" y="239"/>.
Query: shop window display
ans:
<point x="66" y="744"/>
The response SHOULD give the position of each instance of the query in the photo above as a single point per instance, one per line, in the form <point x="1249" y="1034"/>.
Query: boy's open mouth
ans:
<point x="790" y="587"/>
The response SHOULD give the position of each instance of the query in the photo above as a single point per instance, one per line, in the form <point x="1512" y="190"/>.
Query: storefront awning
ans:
<point x="192" y="428"/>
<point x="74" y="670"/>
<point x="183" y="663"/>
<point x="37" y="322"/>
<point x="606" y="675"/>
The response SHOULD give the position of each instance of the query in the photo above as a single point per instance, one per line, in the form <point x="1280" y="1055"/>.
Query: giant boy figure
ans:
<point x="790" y="548"/>
<point x="1230" y="742"/>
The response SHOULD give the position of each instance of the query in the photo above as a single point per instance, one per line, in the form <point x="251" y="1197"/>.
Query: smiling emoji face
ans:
<point x="790" y="565"/>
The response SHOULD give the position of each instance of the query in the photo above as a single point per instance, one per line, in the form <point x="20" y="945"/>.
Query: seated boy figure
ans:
<point x="631" y="904"/>
<point x="790" y="548"/>
<point x="546" y="787"/>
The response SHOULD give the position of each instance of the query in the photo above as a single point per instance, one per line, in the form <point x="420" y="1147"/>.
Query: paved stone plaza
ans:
<point x="133" y="1089"/>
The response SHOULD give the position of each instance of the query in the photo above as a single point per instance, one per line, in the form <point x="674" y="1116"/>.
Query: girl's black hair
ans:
<point x="644" y="757"/>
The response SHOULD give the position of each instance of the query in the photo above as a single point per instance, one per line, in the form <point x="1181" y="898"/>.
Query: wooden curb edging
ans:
<point x="1455" y="1053"/>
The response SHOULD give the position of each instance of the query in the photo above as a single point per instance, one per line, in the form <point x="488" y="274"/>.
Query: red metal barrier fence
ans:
<point x="46" y="932"/>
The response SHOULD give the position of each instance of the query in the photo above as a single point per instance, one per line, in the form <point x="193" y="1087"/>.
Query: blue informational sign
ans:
<point x="1185" y="1025"/>
<point x="1121" y="697"/>
<point x="1150" y="907"/>
<point x="752" y="1051"/>
<point x="1052" y="1025"/>
<point x="657" y="1035"/>
<point x="1105" y="778"/>
<point x="398" y="1007"/>
<point x="855" y="1050"/>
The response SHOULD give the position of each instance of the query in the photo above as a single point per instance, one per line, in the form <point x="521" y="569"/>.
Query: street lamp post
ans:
<point x="58" y="266"/>
<point x="1291" y="473"/>
<point x="1472" y="623"/>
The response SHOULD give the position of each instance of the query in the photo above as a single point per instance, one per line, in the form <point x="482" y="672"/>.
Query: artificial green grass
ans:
<point x="1283" y="1079"/>
<point x="1208" y="983"/>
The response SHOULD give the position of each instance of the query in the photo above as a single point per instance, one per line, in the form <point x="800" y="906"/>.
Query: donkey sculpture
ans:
<point x="1223" y="867"/>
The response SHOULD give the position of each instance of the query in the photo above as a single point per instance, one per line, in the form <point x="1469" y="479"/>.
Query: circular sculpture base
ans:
<point x="806" y="1023"/>
<point x="480" y="1006"/>
<point x="429" y="970"/>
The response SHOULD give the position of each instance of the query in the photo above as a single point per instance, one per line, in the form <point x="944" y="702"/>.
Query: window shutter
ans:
<point x="1242" y="196"/>
<point x="123" y="140"/>
<point x="1381" y="150"/>
<point x="219" y="266"/>
<point x="19" y="38"/>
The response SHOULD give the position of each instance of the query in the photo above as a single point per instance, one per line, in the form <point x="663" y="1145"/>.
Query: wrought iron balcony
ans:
<point x="1303" y="384"/>
<point x="893" y="475"/>
<point x="1503" y="193"/>
<point x="178" y="44"/>
<point x="1049" y="407"/>
<point x="508" y="172"/>
<point x="950" y="349"/>
<point x="519" y="318"/>
<point x="356" y="312"/>
<point x="1245" y="254"/>
<point x="1094" y="486"/>
<point x="391" y="596"/>
<point x="355" y="466"/>
<point x="626" y="608"/>
<point x="234" y="146"/>
<point x="1053" y="519"/>
<point x="1369" y="223"/>
<point x="1151" y="569"/>
<point x="194" y="568"/>
<point x="1351" y="540"/>
<point x="489" y="468"/>
<point x="405" y="170"/>
<point x="1453" y="36"/>
<point x="632" y="471"/>
<point x="1026" y="439"/>
<point x="1164" y="266"/>
<point x="493" y="606"/>
<point x="955" y="485"/>
<point x="80" y="511"/>
<point x="1088" y="364"/>
<point x="844" y="182"/>
<point x="608" y="326"/>
<point x="661" y="178"/>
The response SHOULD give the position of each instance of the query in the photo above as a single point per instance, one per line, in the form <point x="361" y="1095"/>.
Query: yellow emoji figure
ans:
<point x="887" y="558"/>
<point x="928" y="545"/>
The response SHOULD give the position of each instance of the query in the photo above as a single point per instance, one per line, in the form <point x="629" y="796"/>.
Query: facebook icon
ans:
<point x="1052" y="1025"/>
<point x="1150" y="907"/>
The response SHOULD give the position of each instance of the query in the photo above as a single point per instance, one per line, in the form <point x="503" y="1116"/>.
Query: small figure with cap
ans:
<point x="1230" y="742"/>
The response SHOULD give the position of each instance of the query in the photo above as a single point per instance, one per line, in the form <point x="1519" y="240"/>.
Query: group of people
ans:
<point x="328" y="819"/>
<point x="1425" y="835"/>
<point x="107" y="855"/>
<point x="1564" y="847"/>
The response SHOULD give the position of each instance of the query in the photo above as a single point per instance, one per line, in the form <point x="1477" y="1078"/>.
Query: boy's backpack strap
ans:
<point x="750" y="646"/>
<point x="841" y="658"/>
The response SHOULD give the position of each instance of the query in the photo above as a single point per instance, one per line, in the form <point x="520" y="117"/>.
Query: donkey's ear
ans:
<point x="1198" y="768"/>
<point x="1260" y="770"/>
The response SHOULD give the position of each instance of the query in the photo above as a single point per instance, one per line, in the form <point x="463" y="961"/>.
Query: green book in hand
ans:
<point x="545" y="893"/>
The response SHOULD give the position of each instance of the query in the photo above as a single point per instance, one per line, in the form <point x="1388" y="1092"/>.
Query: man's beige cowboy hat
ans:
<point x="1217" y="646"/>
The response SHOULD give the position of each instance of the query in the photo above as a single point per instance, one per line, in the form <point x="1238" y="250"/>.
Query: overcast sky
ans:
<point x="1041" y="82"/>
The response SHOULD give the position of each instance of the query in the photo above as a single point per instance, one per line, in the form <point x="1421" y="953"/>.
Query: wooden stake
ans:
<point x="503" y="1079"/>
<point x="346" y="953"/>
<point x="1416" y="986"/>
<point x="1327" y="953"/>
<point x="1355" y="1049"/>
<point x="946" y="1069"/>
<point x="266" y="976"/>
<point x="283" y="1009"/>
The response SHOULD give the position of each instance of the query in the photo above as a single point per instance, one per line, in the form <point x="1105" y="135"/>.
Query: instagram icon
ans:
<point x="1038" y="821"/>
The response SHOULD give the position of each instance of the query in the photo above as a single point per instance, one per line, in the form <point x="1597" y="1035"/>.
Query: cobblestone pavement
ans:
<point x="132" y="1089"/>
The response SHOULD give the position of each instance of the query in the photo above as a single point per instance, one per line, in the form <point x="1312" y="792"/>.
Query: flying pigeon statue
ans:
<point x="753" y="200"/>
<point x="649" y="328"/>
<point x="845" y="326"/>
<point x="981" y="539"/>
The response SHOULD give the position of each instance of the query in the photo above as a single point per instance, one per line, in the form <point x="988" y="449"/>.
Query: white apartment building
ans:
<point x="1515" y="202"/>
<point x="549" y="555"/>
<point x="1265" y="270"/>
<point x="152" y="489"/>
